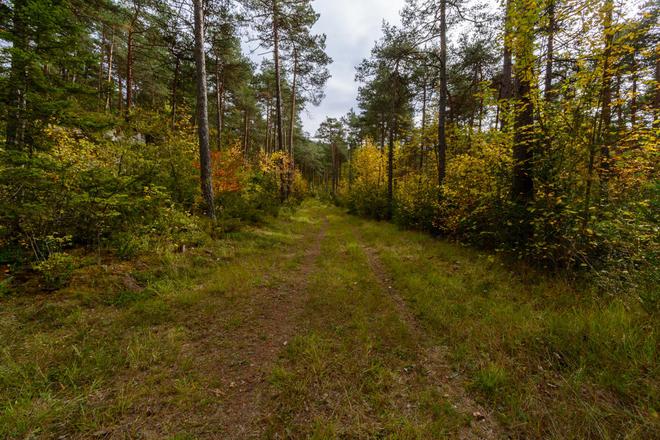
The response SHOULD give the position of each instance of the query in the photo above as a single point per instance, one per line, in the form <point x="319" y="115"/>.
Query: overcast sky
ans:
<point x="352" y="27"/>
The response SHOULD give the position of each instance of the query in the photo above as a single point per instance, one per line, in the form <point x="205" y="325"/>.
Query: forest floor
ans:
<point x="322" y="325"/>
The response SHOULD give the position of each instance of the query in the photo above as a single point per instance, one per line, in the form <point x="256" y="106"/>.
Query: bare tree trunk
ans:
<point x="245" y="133"/>
<point x="333" y="149"/>
<point x="15" y="129"/>
<point x="549" y="62"/>
<point x="442" y="109"/>
<point x="202" y="111"/>
<point x="219" y="102"/>
<point x="390" y="173"/>
<point x="633" y="98"/>
<point x="523" y="185"/>
<point x="129" y="71"/>
<point x="120" y="101"/>
<point x="481" y="101"/>
<point x="278" y="85"/>
<point x="111" y="50"/>
<point x="293" y="102"/>
<point x="506" y="90"/>
<point x="175" y="85"/>
<point x="606" y="113"/>
<point x="656" y="98"/>
<point x="268" y="123"/>
<point x="101" y="61"/>
<point x="522" y="188"/>
<point x="422" y="144"/>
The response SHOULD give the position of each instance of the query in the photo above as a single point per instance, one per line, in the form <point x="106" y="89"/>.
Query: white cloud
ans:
<point x="352" y="27"/>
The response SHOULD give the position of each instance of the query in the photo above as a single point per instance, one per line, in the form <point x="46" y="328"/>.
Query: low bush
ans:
<point x="125" y="190"/>
<point x="5" y="286"/>
<point x="56" y="270"/>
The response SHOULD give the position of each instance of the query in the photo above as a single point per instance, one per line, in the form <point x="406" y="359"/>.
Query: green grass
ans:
<point x="553" y="359"/>
<point x="345" y="375"/>
<point x="548" y="358"/>
<point x="87" y="358"/>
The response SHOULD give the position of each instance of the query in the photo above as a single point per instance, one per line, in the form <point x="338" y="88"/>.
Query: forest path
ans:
<point x="315" y="324"/>
<point x="291" y="329"/>
<point x="312" y="341"/>
<point x="434" y="367"/>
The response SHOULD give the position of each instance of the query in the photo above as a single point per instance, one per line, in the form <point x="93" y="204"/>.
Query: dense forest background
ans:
<point x="532" y="131"/>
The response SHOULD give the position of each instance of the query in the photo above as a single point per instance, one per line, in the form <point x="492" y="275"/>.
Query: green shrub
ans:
<point x="5" y="286"/>
<point x="56" y="270"/>
<point x="260" y="197"/>
<point x="416" y="204"/>
<point x="128" y="246"/>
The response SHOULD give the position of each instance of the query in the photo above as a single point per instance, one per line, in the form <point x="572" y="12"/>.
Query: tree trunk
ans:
<point x="120" y="101"/>
<point x="278" y="85"/>
<point x="606" y="113"/>
<point x="350" y="167"/>
<point x="523" y="149"/>
<point x="390" y="173"/>
<point x="245" y="133"/>
<point x="15" y="129"/>
<point x="422" y="144"/>
<point x="633" y="98"/>
<point x="101" y="61"/>
<point x="656" y="98"/>
<point x="293" y="102"/>
<point x="111" y="50"/>
<point x="522" y="188"/>
<point x="506" y="90"/>
<point x="219" y="102"/>
<point x="549" y="62"/>
<point x="175" y="85"/>
<point x="442" y="108"/>
<point x="333" y="150"/>
<point x="202" y="111"/>
<point x="129" y="71"/>
<point x="268" y="113"/>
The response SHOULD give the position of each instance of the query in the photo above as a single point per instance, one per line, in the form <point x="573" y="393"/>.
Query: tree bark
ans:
<point x="245" y="133"/>
<point x="15" y="129"/>
<point x="442" y="109"/>
<point x="111" y="49"/>
<point x="422" y="144"/>
<point x="278" y="85"/>
<point x="102" y="56"/>
<point x="219" y="102"/>
<point x="549" y="62"/>
<point x="293" y="102"/>
<point x="390" y="173"/>
<point x="268" y="113"/>
<point x="175" y="85"/>
<point x="656" y="98"/>
<point x="606" y="113"/>
<point x="129" y="71"/>
<point x="523" y="143"/>
<point x="506" y="90"/>
<point x="120" y="101"/>
<point x="202" y="111"/>
<point x="633" y="98"/>
<point x="522" y="188"/>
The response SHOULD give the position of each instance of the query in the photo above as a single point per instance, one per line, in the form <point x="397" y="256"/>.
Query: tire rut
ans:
<point x="435" y="367"/>
<point x="243" y="410"/>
